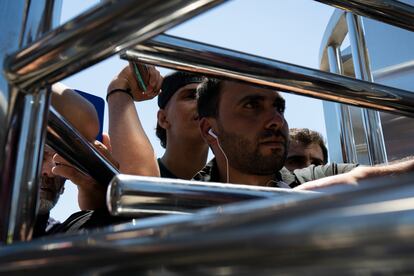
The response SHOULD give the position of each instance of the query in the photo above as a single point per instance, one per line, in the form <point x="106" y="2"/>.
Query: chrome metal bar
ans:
<point x="23" y="202"/>
<point x="389" y="11"/>
<point x="133" y="196"/>
<point x="260" y="237"/>
<point x="97" y="34"/>
<point x="67" y="142"/>
<point x="183" y="54"/>
<point x="22" y="119"/>
<point x="346" y="130"/>
<point x="371" y="119"/>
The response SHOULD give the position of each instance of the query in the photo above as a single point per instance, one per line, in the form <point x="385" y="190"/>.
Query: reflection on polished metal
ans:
<point x="134" y="196"/>
<point x="346" y="130"/>
<point x="96" y="34"/>
<point x="67" y="142"/>
<point x="22" y="210"/>
<point x="183" y="54"/>
<point x="389" y="11"/>
<point x="367" y="229"/>
<point x="22" y="119"/>
<point x="334" y="35"/>
<point x="371" y="119"/>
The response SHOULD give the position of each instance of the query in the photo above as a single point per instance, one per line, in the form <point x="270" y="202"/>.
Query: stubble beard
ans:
<point x="45" y="206"/>
<point x="246" y="157"/>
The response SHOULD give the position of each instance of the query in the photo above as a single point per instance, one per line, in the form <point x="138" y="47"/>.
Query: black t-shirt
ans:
<point x="40" y="225"/>
<point x="164" y="172"/>
<point x="86" y="220"/>
<point x="210" y="173"/>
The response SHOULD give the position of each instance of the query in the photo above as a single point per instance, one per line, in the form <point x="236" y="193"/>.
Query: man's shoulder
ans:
<point x="208" y="173"/>
<point x="164" y="171"/>
<point x="313" y="172"/>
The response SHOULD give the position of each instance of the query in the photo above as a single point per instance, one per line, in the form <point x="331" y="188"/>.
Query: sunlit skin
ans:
<point x="252" y="131"/>
<point x="181" y="114"/>
<point x="179" y="118"/>
<point x="301" y="156"/>
<point x="51" y="186"/>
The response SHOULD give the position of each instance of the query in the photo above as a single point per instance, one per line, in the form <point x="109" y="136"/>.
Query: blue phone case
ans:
<point x="99" y="105"/>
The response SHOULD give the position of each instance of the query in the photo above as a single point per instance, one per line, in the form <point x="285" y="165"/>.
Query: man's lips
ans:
<point x="274" y="142"/>
<point x="46" y="189"/>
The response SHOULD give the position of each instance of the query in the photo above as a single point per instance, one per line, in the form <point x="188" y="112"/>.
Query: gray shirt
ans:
<point x="210" y="174"/>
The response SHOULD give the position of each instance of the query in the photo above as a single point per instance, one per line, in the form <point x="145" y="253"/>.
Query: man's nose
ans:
<point x="47" y="168"/>
<point x="275" y="119"/>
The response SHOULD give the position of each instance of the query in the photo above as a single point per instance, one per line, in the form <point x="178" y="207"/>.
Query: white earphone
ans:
<point x="210" y="131"/>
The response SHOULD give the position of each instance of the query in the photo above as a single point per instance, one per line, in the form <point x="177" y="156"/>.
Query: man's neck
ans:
<point x="185" y="158"/>
<point x="237" y="177"/>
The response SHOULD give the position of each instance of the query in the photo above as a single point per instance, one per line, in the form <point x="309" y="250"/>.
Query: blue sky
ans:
<point x="289" y="31"/>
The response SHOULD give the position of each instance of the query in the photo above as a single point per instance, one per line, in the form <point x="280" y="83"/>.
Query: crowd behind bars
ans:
<point x="243" y="125"/>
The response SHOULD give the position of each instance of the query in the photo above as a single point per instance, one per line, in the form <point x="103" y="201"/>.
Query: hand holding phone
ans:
<point x="140" y="70"/>
<point x="147" y="81"/>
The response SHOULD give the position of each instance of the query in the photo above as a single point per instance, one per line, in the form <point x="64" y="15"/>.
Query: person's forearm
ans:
<point x="130" y="145"/>
<point x="360" y="173"/>
<point x="77" y="110"/>
<point x="396" y="167"/>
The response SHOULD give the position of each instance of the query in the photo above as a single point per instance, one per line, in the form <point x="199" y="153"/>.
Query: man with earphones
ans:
<point x="245" y="127"/>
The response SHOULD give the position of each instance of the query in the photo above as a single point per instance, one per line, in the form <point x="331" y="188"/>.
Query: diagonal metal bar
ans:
<point x="95" y="35"/>
<point x="389" y="11"/>
<point x="183" y="54"/>
<point x="67" y="142"/>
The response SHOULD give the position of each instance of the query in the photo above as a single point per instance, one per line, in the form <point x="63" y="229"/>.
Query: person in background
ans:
<point x="306" y="148"/>
<point x="177" y="124"/>
<point x="85" y="120"/>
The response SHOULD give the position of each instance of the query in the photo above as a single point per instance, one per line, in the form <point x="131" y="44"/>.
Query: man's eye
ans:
<point x="280" y="108"/>
<point x="317" y="162"/>
<point x="295" y="161"/>
<point x="251" y="105"/>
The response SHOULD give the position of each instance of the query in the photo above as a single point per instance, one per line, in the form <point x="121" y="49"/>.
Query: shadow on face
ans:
<point x="51" y="186"/>
<point x="301" y="156"/>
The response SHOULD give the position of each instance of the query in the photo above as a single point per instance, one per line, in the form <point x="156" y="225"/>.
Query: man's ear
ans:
<point x="205" y="125"/>
<point x="162" y="119"/>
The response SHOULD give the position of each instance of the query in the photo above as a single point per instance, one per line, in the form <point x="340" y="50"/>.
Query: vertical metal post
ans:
<point x="349" y="154"/>
<point x="371" y="119"/>
<point x="29" y="119"/>
<point x="23" y="116"/>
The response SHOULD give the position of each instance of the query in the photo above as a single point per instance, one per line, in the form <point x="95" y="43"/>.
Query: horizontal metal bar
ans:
<point x="95" y="35"/>
<point x="183" y="54"/>
<point x="68" y="143"/>
<point x="134" y="196"/>
<point x="389" y="11"/>
<point x="323" y="233"/>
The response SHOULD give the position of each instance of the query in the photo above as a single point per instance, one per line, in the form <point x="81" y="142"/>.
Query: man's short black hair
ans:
<point x="306" y="137"/>
<point x="162" y="135"/>
<point x="208" y="97"/>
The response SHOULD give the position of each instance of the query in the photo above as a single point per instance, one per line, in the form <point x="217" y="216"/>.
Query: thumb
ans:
<point x="106" y="140"/>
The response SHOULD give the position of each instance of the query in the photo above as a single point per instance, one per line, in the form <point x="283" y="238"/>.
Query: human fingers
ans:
<point x="73" y="174"/>
<point x="106" y="140"/>
<point x="60" y="160"/>
<point x="154" y="76"/>
<point x="106" y="153"/>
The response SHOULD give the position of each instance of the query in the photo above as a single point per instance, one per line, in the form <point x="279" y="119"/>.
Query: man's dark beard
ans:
<point x="245" y="156"/>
